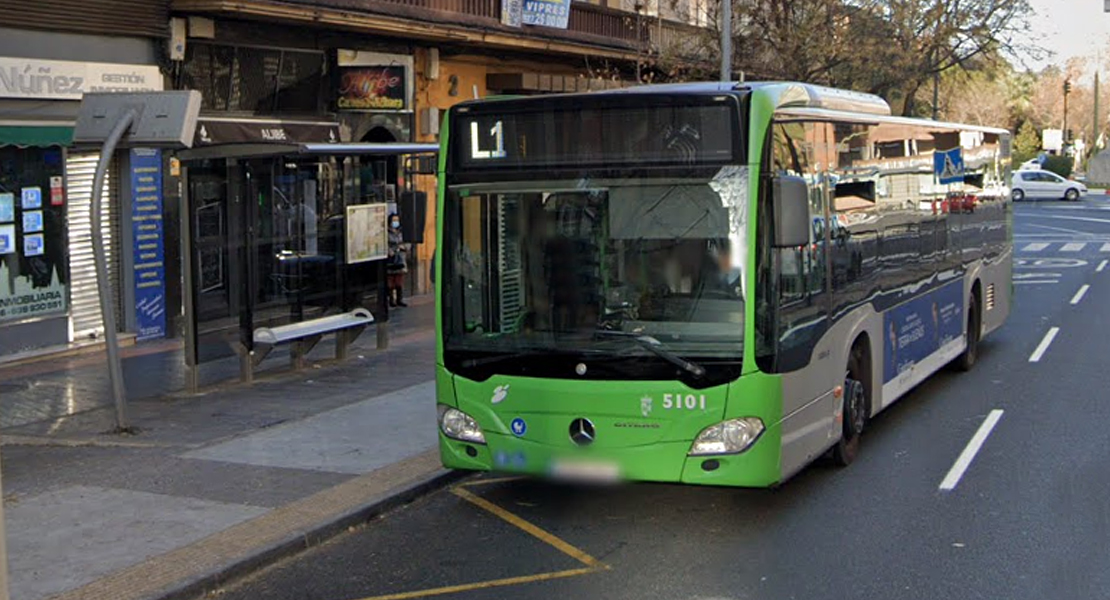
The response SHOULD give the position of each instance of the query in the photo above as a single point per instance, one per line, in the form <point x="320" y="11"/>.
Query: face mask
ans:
<point x="395" y="224"/>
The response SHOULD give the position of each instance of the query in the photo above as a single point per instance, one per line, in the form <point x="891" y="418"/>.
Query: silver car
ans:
<point x="1044" y="184"/>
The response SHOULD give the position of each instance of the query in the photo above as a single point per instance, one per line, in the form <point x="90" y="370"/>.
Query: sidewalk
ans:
<point x="216" y="483"/>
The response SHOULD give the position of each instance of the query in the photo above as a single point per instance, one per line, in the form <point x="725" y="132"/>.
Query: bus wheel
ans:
<point x="855" y="411"/>
<point x="967" y="359"/>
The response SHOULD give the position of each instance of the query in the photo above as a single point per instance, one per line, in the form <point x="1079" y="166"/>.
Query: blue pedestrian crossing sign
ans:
<point x="949" y="165"/>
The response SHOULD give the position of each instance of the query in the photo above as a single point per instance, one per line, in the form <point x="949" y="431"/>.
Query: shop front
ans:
<point x="48" y="293"/>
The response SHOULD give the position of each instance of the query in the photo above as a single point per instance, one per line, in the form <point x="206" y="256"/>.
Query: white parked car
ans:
<point x="1044" y="184"/>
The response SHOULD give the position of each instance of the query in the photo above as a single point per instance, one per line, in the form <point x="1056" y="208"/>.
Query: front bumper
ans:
<point x="667" y="462"/>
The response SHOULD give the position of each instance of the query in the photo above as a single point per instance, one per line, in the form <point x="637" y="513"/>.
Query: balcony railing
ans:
<point x="588" y="19"/>
<point x="589" y="24"/>
<point x="489" y="9"/>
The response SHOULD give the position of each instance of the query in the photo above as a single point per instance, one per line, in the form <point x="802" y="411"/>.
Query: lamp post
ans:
<point x="726" y="40"/>
<point x="157" y="119"/>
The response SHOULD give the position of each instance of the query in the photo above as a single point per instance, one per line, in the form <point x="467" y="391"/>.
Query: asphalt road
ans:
<point x="1028" y="518"/>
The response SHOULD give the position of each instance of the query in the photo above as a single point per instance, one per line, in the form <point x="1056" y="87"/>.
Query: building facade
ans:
<point x="269" y="72"/>
<point x="390" y="69"/>
<point x="50" y="54"/>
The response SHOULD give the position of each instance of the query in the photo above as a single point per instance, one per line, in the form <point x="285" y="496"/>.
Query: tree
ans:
<point x="1027" y="144"/>
<point x="1061" y="165"/>
<point x="893" y="48"/>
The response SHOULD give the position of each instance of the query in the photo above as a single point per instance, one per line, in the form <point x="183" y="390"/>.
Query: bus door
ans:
<point x="802" y="273"/>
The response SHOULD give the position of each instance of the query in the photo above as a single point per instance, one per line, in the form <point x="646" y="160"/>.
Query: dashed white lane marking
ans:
<point x="1035" y="247"/>
<point x="1078" y="297"/>
<point x="968" y="455"/>
<point x="1043" y="346"/>
<point x="1073" y="247"/>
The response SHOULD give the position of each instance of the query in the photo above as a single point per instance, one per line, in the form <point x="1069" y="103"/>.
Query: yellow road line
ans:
<point x="529" y="528"/>
<point x="466" y="587"/>
<point x="478" y="482"/>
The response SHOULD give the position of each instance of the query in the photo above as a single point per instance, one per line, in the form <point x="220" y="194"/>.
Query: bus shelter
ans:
<point x="274" y="235"/>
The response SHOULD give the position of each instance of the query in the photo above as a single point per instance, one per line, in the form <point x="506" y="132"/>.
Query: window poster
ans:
<point x="34" y="245"/>
<point x="7" y="239"/>
<point x="7" y="208"/>
<point x="32" y="221"/>
<point x="367" y="236"/>
<point x="33" y="235"/>
<point x="32" y="198"/>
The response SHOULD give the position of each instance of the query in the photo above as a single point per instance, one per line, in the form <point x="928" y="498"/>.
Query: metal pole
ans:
<point x="1067" y="90"/>
<point x="107" y="303"/>
<point x="726" y="40"/>
<point x="3" y="552"/>
<point x="1094" y="130"/>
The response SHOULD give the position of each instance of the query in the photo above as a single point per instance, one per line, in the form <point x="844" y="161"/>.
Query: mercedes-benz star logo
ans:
<point x="582" y="432"/>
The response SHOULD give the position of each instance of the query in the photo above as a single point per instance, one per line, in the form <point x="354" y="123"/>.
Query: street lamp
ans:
<point x="726" y="40"/>
<point x="156" y="119"/>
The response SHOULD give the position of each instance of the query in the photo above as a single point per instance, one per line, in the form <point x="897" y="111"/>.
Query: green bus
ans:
<point x="708" y="283"/>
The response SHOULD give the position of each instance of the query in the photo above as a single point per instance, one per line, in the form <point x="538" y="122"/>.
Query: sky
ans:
<point x="1070" y="28"/>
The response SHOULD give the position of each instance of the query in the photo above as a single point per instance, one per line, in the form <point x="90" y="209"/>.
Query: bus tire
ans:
<point x="855" y="403"/>
<point x="967" y="359"/>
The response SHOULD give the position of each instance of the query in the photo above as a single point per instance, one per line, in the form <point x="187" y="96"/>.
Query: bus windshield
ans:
<point x="586" y="271"/>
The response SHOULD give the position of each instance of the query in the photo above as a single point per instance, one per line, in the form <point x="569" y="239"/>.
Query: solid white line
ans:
<point x="1073" y="247"/>
<point x="1036" y="281"/>
<point x="1101" y="266"/>
<point x="1035" y="247"/>
<point x="1078" y="297"/>
<point x="1045" y="343"/>
<point x="1105" y="247"/>
<point x="968" y="455"/>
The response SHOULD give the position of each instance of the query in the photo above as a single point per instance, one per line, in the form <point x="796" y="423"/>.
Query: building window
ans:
<point x="33" y="272"/>
<point x="255" y="80"/>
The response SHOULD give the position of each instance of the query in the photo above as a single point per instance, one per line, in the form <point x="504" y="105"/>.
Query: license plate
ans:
<point x="589" y="471"/>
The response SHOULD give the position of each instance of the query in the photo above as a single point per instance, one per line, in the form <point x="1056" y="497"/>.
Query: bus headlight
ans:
<point x="458" y="425"/>
<point x="727" y="437"/>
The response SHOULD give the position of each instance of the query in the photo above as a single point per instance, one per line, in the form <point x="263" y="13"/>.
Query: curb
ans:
<point x="295" y="543"/>
<point x="197" y="569"/>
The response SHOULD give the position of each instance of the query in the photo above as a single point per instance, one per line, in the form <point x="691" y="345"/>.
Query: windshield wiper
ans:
<point x="657" y="348"/>
<point x="477" y="362"/>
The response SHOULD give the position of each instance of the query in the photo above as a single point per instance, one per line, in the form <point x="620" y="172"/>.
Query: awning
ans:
<point x="39" y="136"/>
<point x="229" y="130"/>
<point x="294" y="150"/>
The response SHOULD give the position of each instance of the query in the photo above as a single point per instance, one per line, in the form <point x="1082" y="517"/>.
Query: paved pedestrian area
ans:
<point x="210" y="478"/>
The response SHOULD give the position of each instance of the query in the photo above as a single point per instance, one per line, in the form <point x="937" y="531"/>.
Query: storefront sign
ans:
<point x="547" y="13"/>
<point x="149" y="251"/>
<point x="68" y="80"/>
<point x="212" y="131"/>
<point x="372" y="88"/>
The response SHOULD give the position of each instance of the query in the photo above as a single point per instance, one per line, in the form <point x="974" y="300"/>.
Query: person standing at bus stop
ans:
<point x="397" y="265"/>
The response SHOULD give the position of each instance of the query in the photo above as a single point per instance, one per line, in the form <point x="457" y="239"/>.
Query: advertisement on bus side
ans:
<point x="916" y="329"/>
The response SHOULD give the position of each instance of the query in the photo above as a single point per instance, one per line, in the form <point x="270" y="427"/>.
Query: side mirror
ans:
<point x="791" y="204"/>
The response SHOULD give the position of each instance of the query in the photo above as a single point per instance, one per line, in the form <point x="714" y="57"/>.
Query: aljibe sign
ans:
<point x="371" y="88"/>
<point x="66" y="80"/>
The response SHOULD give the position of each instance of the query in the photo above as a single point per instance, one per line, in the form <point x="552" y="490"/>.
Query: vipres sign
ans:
<point x="67" y="80"/>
